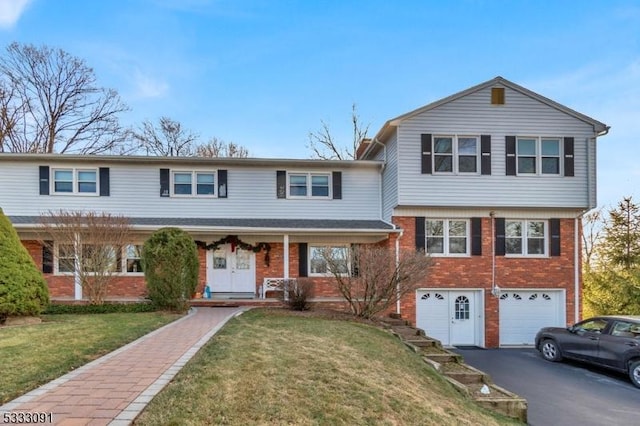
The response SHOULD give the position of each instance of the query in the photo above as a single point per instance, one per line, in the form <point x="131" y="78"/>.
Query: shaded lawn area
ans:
<point x="276" y="367"/>
<point x="36" y="354"/>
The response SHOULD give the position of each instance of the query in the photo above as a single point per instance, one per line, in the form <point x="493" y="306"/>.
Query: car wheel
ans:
<point x="634" y="373"/>
<point x="550" y="350"/>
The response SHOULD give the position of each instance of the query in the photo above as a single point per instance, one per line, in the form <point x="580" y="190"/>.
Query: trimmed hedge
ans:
<point x="23" y="290"/>
<point x="170" y="261"/>
<point x="106" y="308"/>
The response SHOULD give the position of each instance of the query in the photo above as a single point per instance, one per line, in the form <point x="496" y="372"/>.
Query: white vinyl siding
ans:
<point x="135" y="192"/>
<point x="474" y="114"/>
<point x="389" y="178"/>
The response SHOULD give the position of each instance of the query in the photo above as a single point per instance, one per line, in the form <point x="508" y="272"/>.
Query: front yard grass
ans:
<point x="275" y="367"/>
<point x="33" y="355"/>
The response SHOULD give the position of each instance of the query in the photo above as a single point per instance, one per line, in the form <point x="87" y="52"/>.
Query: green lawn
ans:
<point x="36" y="354"/>
<point x="273" y="367"/>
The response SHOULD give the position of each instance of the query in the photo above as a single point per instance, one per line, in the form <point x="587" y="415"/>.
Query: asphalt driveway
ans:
<point x="563" y="393"/>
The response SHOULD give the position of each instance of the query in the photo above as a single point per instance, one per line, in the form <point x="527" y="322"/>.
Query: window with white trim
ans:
<point x="447" y="237"/>
<point x="132" y="255"/>
<point x="318" y="264"/>
<point x="309" y="185"/>
<point x="75" y="181"/>
<point x="100" y="257"/>
<point x="538" y="156"/>
<point x="456" y="154"/>
<point x="526" y="237"/>
<point x="65" y="258"/>
<point x="189" y="183"/>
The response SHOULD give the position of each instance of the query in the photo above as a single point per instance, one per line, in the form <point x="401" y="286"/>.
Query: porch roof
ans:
<point x="239" y="224"/>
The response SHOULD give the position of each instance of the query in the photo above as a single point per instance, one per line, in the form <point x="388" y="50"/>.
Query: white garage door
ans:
<point x="449" y="316"/>
<point x="523" y="313"/>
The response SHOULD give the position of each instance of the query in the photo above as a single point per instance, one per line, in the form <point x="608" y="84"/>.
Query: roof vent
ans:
<point x="497" y="96"/>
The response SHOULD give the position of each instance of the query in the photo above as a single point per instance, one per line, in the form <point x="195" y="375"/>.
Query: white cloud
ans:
<point x="148" y="87"/>
<point x="10" y="12"/>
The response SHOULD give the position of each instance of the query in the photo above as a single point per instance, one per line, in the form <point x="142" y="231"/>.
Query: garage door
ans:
<point x="449" y="316"/>
<point x="523" y="313"/>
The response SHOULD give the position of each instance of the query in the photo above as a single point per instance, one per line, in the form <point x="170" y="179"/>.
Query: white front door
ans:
<point x="448" y="315"/>
<point x="231" y="270"/>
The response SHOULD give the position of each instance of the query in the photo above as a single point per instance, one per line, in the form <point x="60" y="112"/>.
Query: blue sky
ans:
<point x="263" y="73"/>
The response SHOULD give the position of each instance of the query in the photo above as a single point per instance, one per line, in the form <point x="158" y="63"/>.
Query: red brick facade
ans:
<point x="475" y="272"/>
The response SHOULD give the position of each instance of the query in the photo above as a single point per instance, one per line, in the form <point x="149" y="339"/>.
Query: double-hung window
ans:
<point x="132" y="258"/>
<point x="309" y="185"/>
<point x="65" y="258"/>
<point x="455" y="154"/>
<point x="75" y="181"/>
<point x="525" y="237"/>
<point x="447" y="237"/>
<point x="324" y="259"/>
<point x="538" y="156"/>
<point x="194" y="183"/>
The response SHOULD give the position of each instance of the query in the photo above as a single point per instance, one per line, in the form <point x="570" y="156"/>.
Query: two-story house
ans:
<point x="491" y="182"/>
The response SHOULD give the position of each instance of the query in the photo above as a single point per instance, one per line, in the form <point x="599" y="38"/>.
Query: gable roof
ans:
<point x="384" y="132"/>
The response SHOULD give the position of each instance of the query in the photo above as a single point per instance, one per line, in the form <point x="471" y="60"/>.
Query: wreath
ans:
<point x="235" y="243"/>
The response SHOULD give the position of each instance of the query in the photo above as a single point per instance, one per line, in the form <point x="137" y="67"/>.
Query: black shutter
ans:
<point x="420" y="233"/>
<point x="485" y="151"/>
<point x="281" y="184"/>
<point x="47" y="257"/>
<point x="44" y="180"/>
<point x="104" y="182"/>
<point x="164" y="182"/>
<point x="355" y="261"/>
<point x="568" y="156"/>
<point x="554" y="231"/>
<point x="476" y="236"/>
<point x="302" y="260"/>
<point x="426" y="146"/>
<point x="223" y="188"/>
<point x="336" y="178"/>
<point x="511" y="155"/>
<point x="500" y="240"/>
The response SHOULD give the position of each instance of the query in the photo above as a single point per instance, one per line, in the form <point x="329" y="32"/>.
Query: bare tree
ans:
<point x="89" y="245"/>
<point x="167" y="139"/>
<point x="592" y="224"/>
<point x="323" y="145"/>
<point x="372" y="280"/>
<point x="51" y="103"/>
<point x="219" y="148"/>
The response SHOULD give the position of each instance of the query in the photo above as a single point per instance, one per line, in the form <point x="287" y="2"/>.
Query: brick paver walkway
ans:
<point x="114" y="389"/>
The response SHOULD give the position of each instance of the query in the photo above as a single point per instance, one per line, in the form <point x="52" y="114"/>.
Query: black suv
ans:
<point x="608" y="341"/>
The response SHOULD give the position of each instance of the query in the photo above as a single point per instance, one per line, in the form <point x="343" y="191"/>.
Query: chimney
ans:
<point x="364" y="144"/>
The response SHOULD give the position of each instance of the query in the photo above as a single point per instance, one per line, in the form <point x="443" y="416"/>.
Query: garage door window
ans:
<point x="462" y="308"/>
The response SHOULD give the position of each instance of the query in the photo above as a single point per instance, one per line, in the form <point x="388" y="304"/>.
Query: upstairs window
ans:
<point x="447" y="237"/>
<point x="306" y="185"/>
<point x="193" y="183"/>
<point x="525" y="237"/>
<point x="538" y="156"/>
<point x="455" y="154"/>
<point x="75" y="181"/>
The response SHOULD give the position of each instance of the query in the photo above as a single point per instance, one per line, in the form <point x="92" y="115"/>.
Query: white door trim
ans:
<point x="479" y="314"/>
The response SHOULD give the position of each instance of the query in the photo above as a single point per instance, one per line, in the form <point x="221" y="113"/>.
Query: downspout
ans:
<point x="397" y="263"/>
<point x="576" y="272"/>
<point x="495" y="290"/>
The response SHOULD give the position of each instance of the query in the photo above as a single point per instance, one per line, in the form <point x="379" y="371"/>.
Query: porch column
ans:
<point x="285" y="275"/>
<point x="77" y="284"/>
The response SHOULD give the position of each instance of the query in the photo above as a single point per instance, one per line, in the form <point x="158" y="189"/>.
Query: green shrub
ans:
<point x="23" y="290"/>
<point x="106" y="308"/>
<point x="170" y="262"/>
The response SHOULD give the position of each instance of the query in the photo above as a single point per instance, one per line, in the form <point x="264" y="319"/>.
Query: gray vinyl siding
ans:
<point x="135" y="192"/>
<point x="390" y="179"/>
<point x="474" y="115"/>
